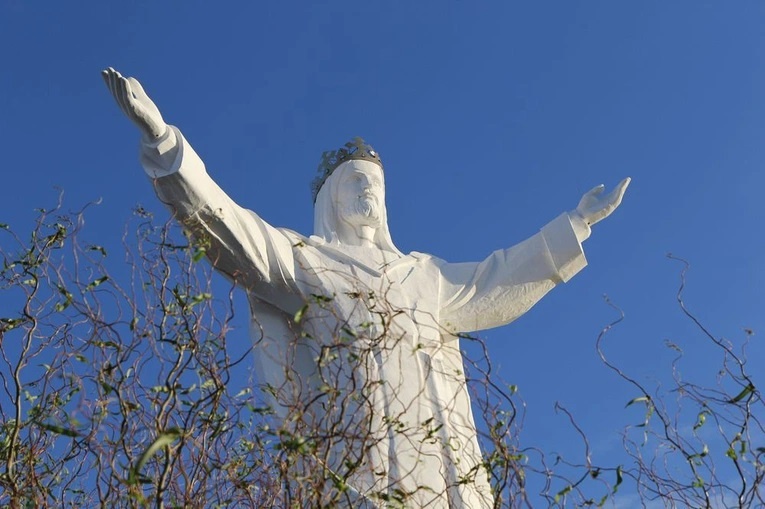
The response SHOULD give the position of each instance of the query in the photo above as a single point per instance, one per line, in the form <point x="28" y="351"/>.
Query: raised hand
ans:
<point x="134" y="103"/>
<point x="594" y="207"/>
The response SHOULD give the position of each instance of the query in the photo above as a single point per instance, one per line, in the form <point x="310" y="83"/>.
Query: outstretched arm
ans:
<point x="241" y="245"/>
<point x="508" y="283"/>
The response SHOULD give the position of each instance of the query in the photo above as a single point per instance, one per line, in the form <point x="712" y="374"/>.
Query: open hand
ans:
<point x="594" y="207"/>
<point x="134" y="103"/>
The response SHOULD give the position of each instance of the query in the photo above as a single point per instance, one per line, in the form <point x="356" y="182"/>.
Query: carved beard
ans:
<point x="364" y="211"/>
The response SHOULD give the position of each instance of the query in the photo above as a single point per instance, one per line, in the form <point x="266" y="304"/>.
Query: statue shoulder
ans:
<point x="427" y="259"/>
<point x="295" y="238"/>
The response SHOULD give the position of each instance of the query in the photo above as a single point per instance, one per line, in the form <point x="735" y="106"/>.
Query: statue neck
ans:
<point x="357" y="235"/>
<point x="359" y="243"/>
<point x="365" y="235"/>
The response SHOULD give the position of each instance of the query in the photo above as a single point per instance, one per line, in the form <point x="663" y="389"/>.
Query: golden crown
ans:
<point x="357" y="148"/>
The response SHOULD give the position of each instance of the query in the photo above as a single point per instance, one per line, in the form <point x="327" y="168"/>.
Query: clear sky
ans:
<point x="492" y="118"/>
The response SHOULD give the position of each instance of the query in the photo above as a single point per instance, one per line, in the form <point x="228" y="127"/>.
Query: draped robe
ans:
<point x="365" y="360"/>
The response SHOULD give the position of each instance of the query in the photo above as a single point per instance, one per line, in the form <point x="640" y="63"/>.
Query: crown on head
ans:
<point x="357" y="148"/>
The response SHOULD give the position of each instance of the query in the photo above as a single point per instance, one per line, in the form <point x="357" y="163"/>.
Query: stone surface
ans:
<point x="356" y="340"/>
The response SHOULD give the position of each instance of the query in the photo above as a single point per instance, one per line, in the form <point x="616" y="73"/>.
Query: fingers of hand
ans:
<point x="622" y="187"/>
<point x="114" y="78"/>
<point x="618" y="193"/>
<point x="105" y="76"/>
<point x="108" y="75"/>
<point x="114" y="85"/>
<point x="118" y="87"/>
<point x="137" y="89"/>
<point x="129" y="94"/>
<point x="122" y="96"/>
<point x="595" y="191"/>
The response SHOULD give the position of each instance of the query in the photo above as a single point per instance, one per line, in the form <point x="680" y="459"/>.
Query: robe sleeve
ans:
<point x="496" y="291"/>
<point x="239" y="244"/>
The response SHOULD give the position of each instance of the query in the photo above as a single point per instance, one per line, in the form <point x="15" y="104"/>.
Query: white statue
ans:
<point x="377" y="353"/>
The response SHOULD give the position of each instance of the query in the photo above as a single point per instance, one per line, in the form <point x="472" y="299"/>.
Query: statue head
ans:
<point x="359" y="194"/>
<point x="350" y="193"/>
<point x="355" y="150"/>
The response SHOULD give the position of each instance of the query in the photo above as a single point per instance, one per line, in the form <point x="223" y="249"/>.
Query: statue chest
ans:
<point x="398" y="302"/>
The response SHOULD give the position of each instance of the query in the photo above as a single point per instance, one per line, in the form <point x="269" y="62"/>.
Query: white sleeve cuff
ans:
<point x="160" y="156"/>
<point x="565" y="247"/>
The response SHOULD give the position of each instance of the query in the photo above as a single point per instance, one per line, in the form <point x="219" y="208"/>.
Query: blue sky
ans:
<point x="492" y="118"/>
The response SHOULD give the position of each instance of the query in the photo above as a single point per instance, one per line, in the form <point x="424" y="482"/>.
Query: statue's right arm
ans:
<point x="239" y="243"/>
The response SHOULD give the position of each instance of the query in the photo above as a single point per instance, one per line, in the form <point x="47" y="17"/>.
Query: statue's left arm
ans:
<point x="496" y="291"/>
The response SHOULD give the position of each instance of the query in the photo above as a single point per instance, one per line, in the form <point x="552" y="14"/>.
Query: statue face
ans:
<point x="361" y="194"/>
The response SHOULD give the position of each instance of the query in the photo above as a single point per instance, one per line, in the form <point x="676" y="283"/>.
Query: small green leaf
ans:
<point x="95" y="283"/>
<point x="619" y="478"/>
<point x="701" y="419"/>
<point x="100" y="249"/>
<point x="7" y="324"/>
<point x="638" y="400"/>
<point x="58" y="429"/>
<point x="243" y="392"/>
<point x="129" y="406"/>
<point x="67" y="295"/>
<point x="189" y="389"/>
<point x="350" y="332"/>
<point x="744" y="393"/>
<point x="163" y="440"/>
<point x="201" y="297"/>
<point x="702" y="454"/>
<point x="562" y="493"/>
<point x="199" y="254"/>
<point x="300" y="313"/>
<point x="105" y="344"/>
